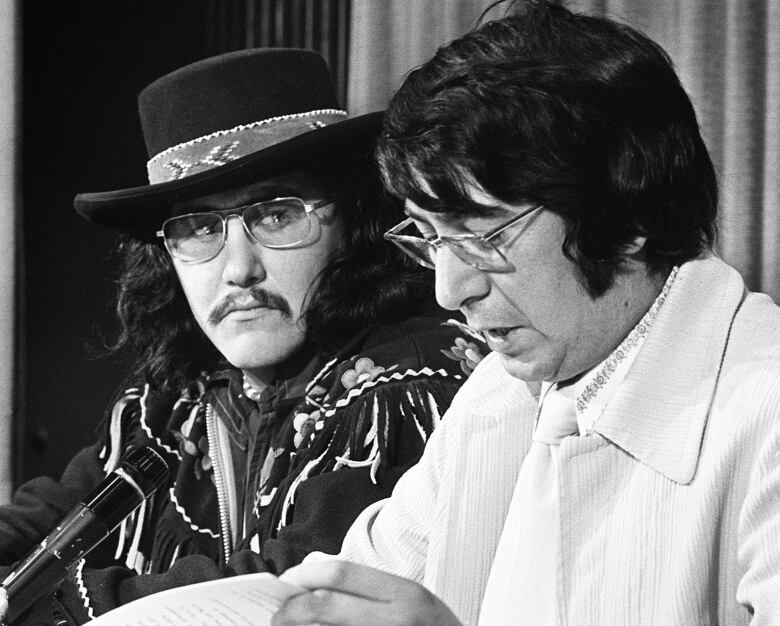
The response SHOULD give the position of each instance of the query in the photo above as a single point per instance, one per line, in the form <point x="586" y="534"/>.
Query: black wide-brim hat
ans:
<point x="229" y="121"/>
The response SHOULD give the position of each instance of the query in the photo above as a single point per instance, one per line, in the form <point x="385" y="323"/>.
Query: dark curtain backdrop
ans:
<point x="321" y="25"/>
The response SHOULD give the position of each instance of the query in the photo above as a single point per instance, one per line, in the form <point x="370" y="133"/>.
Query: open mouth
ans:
<point x="471" y="332"/>
<point x="499" y="332"/>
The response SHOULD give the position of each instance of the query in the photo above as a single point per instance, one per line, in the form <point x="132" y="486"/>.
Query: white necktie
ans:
<point x="522" y="586"/>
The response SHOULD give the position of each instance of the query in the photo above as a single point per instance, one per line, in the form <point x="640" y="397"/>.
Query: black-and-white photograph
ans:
<point x="403" y="312"/>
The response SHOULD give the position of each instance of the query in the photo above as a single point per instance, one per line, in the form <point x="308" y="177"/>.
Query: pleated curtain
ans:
<point x="727" y="53"/>
<point x="8" y="226"/>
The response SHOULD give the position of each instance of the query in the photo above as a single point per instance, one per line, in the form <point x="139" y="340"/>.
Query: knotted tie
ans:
<point x="521" y="586"/>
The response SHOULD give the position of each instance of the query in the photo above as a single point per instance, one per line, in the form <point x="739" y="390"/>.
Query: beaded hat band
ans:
<point x="221" y="147"/>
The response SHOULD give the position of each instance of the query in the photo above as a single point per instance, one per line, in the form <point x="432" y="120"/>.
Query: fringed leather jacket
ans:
<point x="256" y="484"/>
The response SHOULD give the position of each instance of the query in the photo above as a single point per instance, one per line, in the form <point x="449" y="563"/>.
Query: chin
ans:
<point x="261" y="352"/>
<point x="529" y="371"/>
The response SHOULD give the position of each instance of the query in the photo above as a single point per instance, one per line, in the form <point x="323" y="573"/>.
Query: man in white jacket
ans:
<point x="616" y="460"/>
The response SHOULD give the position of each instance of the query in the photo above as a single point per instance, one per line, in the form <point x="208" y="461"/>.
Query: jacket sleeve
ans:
<point x="325" y="507"/>
<point x="392" y="535"/>
<point x="38" y="505"/>
<point x="89" y="593"/>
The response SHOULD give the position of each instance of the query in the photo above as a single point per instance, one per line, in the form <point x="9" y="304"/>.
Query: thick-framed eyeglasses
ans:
<point x="480" y="251"/>
<point x="278" y="223"/>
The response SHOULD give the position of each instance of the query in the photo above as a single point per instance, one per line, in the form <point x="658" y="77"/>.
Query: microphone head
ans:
<point x="146" y="467"/>
<point x="140" y="472"/>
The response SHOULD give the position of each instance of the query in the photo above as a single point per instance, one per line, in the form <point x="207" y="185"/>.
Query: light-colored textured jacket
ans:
<point x="670" y="516"/>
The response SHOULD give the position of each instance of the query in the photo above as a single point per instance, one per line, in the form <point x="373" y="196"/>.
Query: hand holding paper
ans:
<point x="354" y="595"/>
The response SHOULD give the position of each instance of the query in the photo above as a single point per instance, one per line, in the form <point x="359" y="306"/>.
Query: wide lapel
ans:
<point x="659" y="412"/>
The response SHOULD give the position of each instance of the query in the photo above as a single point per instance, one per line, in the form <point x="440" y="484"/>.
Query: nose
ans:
<point x="242" y="257"/>
<point x="457" y="282"/>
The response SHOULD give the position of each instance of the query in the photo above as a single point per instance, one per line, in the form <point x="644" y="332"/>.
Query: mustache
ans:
<point x="237" y="300"/>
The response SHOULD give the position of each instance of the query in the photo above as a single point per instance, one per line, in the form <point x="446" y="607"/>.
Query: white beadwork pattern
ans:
<point x="250" y="392"/>
<point x="635" y="337"/>
<point x="242" y="127"/>
<point x="221" y="154"/>
<point x="178" y="168"/>
<point x="218" y="155"/>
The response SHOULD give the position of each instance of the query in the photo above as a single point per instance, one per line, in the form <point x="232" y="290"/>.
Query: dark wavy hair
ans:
<point x="581" y="114"/>
<point x="368" y="281"/>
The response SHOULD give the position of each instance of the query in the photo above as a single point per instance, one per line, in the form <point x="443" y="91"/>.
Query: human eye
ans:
<point x="497" y="239"/>
<point x="203" y="230"/>
<point x="491" y="229"/>
<point x="274" y="216"/>
<point x="196" y="226"/>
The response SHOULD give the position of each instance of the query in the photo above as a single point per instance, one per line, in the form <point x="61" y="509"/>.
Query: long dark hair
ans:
<point x="581" y="114"/>
<point x="368" y="281"/>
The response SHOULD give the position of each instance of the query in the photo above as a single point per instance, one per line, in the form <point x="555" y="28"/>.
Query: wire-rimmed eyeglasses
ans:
<point x="278" y="223"/>
<point x="476" y="250"/>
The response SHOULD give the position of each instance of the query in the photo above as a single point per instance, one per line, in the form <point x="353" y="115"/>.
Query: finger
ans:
<point x="352" y="578"/>
<point x="325" y="606"/>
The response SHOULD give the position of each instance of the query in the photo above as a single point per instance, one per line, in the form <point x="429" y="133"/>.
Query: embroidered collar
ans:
<point x="595" y="387"/>
<point x="659" y="413"/>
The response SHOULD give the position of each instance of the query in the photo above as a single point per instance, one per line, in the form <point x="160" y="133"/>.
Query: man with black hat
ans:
<point x="278" y="367"/>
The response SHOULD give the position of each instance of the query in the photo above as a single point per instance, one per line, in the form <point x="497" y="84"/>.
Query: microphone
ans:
<point x="139" y="474"/>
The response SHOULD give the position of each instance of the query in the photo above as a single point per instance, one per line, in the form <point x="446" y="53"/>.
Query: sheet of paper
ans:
<point x="249" y="600"/>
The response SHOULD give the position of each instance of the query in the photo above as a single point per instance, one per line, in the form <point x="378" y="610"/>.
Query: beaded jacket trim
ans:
<point x="188" y="519"/>
<point x="82" y="589"/>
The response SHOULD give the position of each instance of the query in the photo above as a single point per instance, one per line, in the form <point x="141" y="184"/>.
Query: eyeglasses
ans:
<point x="476" y="250"/>
<point x="277" y="223"/>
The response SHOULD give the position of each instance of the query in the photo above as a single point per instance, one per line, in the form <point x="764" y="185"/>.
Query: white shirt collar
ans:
<point x="594" y="389"/>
